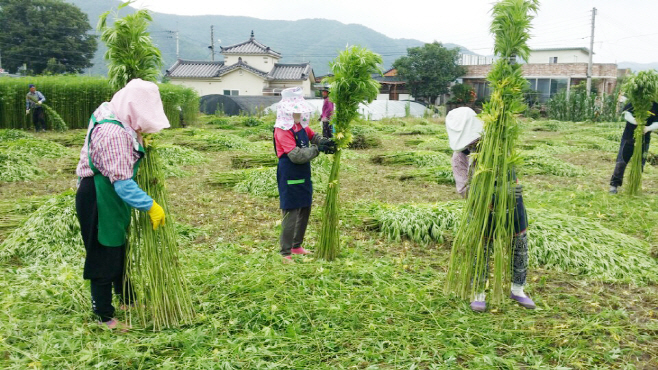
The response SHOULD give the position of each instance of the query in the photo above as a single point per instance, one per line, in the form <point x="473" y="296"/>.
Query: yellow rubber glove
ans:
<point x="157" y="215"/>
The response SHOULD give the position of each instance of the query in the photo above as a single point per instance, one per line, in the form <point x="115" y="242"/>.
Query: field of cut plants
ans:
<point x="380" y="304"/>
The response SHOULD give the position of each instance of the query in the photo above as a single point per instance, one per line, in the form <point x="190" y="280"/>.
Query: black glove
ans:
<point x="327" y="146"/>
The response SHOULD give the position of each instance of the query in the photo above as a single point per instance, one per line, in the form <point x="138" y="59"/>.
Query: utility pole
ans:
<point x="591" y="53"/>
<point x="177" y="46"/>
<point x="212" y="42"/>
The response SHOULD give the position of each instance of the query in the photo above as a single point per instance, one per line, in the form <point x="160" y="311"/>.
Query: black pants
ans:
<point x="104" y="266"/>
<point x="327" y="130"/>
<point x="39" y="118"/>
<point x="293" y="228"/>
<point x="624" y="156"/>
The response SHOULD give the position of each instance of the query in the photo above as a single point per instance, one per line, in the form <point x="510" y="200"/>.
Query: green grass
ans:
<point x="378" y="306"/>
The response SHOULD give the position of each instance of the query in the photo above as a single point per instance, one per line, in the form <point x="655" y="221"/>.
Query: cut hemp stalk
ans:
<point x="488" y="218"/>
<point x="641" y="89"/>
<point x="152" y="261"/>
<point x="57" y="121"/>
<point x="351" y="84"/>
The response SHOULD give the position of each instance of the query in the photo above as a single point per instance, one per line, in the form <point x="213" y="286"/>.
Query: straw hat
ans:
<point x="292" y="101"/>
<point x="464" y="127"/>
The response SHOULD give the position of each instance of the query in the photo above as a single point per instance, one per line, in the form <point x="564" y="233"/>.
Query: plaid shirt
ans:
<point x="112" y="149"/>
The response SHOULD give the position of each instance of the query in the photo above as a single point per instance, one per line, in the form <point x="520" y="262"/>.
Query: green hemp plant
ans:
<point x="641" y="89"/>
<point x="487" y="219"/>
<point x="351" y="84"/>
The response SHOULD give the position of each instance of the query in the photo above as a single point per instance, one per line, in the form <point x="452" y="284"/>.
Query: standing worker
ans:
<point x="33" y="101"/>
<point x="107" y="191"/>
<point x="295" y="145"/>
<point x="464" y="131"/>
<point x="627" y="144"/>
<point x="327" y="112"/>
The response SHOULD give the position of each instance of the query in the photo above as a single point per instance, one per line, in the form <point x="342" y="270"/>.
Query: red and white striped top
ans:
<point x="112" y="149"/>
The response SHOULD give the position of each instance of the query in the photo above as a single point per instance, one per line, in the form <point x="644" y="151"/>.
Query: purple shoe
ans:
<point x="523" y="301"/>
<point x="479" y="306"/>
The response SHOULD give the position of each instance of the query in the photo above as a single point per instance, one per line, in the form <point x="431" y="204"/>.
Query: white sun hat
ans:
<point x="464" y="127"/>
<point x="292" y="101"/>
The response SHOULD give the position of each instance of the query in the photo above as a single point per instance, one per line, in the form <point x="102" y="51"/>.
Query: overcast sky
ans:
<point x="625" y="30"/>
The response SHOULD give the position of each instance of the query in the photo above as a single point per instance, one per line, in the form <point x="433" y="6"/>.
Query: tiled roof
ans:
<point x="194" y="69"/>
<point x="241" y="64"/>
<point x="250" y="46"/>
<point x="299" y="71"/>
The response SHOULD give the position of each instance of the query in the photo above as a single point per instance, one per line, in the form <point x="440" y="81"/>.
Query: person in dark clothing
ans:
<point x="295" y="145"/>
<point x="627" y="144"/>
<point x="33" y="101"/>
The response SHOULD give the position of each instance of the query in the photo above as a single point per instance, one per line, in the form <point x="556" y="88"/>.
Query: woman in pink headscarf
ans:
<point x="107" y="191"/>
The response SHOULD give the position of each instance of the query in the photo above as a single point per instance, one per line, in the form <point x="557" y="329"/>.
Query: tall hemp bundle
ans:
<point x="487" y="219"/>
<point x="130" y="49"/>
<point x="641" y="89"/>
<point x="351" y="84"/>
<point x="152" y="261"/>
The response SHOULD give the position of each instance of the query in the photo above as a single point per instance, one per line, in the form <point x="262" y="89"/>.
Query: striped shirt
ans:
<point x="112" y="149"/>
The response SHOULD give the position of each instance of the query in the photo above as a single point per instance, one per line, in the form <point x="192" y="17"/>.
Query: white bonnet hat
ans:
<point x="464" y="127"/>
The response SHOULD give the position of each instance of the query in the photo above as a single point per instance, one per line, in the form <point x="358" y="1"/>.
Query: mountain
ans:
<point x="308" y="40"/>
<point x="637" y="66"/>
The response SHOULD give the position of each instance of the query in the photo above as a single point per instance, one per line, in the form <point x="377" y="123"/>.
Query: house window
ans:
<point x="231" y="92"/>
<point x="552" y="60"/>
<point x="265" y="59"/>
<point x="547" y="87"/>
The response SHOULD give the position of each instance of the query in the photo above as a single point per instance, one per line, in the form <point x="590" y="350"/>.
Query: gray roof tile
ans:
<point x="241" y="64"/>
<point x="194" y="69"/>
<point x="250" y="46"/>
<point x="299" y="71"/>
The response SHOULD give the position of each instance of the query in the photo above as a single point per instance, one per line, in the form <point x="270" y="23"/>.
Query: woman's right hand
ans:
<point x="157" y="215"/>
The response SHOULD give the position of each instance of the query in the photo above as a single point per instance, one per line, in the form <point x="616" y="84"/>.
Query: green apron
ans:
<point x="113" y="212"/>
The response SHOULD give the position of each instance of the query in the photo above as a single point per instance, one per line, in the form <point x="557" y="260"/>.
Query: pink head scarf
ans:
<point x="139" y="106"/>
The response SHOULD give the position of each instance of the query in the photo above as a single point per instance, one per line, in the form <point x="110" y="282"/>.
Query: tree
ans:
<point x="130" y="49"/>
<point x="35" y="31"/>
<point x="429" y="70"/>
<point x="53" y="67"/>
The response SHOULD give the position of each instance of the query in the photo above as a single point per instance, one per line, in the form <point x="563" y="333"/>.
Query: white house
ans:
<point x="249" y="68"/>
<point x="558" y="55"/>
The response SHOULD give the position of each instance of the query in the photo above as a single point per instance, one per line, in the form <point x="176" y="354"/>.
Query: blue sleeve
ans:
<point x="41" y="97"/>
<point x="129" y="191"/>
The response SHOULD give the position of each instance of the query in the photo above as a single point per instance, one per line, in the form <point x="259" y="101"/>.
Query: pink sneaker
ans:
<point x="115" y="324"/>
<point x="287" y="260"/>
<point x="300" y="250"/>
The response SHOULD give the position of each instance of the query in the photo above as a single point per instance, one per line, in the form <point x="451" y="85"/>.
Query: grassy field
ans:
<point x="381" y="304"/>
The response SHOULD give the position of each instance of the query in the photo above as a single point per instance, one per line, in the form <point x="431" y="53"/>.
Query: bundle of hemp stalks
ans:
<point x="152" y="262"/>
<point x="641" y="89"/>
<point x="488" y="218"/>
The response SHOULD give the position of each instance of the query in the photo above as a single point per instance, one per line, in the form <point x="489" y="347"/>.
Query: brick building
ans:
<point x="550" y="77"/>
